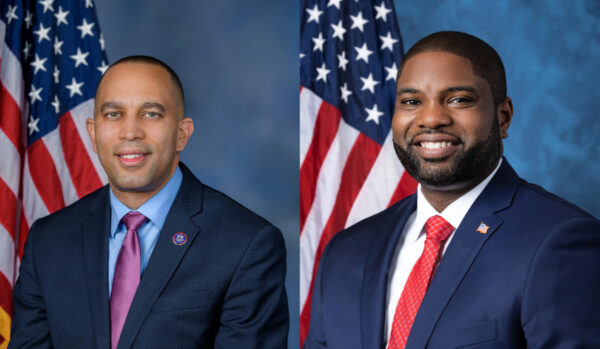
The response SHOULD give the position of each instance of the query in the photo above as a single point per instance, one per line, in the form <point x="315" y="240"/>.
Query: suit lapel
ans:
<point x="94" y="233"/>
<point x="463" y="249"/>
<point x="374" y="288"/>
<point x="166" y="256"/>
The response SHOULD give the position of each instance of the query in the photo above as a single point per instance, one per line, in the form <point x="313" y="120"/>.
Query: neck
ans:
<point x="441" y="197"/>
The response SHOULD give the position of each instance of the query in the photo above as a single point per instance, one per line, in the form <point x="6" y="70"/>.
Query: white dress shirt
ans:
<point x="412" y="241"/>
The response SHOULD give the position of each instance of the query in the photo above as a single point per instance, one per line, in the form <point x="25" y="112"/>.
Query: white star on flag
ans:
<point x="345" y="92"/>
<point x="26" y="49"/>
<point x="104" y="67"/>
<point x="34" y="94"/>
<point x="363" y="53"/>
<point x="47" y="5"/>
<point x="56" y="74"/>
<point x="342" y="60"/>
<point x="322" y="73"/>
<point x="28" y="19"/>
<point x="86" y="28"/>
<point x="369" y="83"/>
<point x="74" y="88"/>
<point x="56" y="104"/>
<point x="392" y="72"/>
<point x="58" y="46"/>
<point x="338" y="30"/>
<point x="88" y="3"/>
<point x="11" y="14"/>
<point x="80" y="58"/>
<point x="38" y="64"/>
<point x="388" y="41"/>
<point x="61" y="16"/>
<point x="313" y="15"/>
<point x="101" y="40"/>
<point x="373" y="114"/>
<point x="33" y="125"/>
<point x="319" y="41"/>
<point x="42" y="33"/>
<point x="358" y="21"/>
<point x="382" y="12"/>
<point x="335" y="3"/>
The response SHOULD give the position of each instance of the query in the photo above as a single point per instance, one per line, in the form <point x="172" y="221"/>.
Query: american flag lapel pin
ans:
<point x="483" y="228"/>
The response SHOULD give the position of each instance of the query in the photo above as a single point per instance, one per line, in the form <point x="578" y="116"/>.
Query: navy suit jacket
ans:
<point x="223" y="288"/>
<point x="532" y="281"/>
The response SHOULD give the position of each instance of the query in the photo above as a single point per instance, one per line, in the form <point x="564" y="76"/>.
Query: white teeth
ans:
<point x="435" y="145"/>
<point x="131" y="156"/>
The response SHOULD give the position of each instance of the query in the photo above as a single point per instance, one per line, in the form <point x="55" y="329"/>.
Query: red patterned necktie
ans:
<point x="437" y="230"/>
<point x="126" y="277"/>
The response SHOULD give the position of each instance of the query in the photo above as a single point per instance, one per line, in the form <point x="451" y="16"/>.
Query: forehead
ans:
<point x="438" y="70"/>
<point x="137" y="81"/>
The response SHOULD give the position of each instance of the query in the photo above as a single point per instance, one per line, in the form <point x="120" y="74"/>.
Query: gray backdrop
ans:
<point x="238" y="61"/>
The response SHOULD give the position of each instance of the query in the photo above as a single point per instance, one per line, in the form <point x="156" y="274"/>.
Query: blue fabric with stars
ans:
<point x="349" y="55"/>
<point x="62" y="55"/>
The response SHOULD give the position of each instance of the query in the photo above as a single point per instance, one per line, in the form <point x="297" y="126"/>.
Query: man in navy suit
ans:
<point x="516" y="266"/>
<point x="209" y="273"/>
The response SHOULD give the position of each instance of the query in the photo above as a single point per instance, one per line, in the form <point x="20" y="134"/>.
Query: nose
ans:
<point x="433" y="115"/>
<point x="131" y="129"/>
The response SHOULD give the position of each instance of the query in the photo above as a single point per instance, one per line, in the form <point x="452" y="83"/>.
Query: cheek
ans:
<point x="400" y="124"/>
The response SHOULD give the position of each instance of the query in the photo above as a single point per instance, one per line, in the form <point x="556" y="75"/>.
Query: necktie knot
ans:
<point x="133" y="220"/>
<point x="438" y="229"/>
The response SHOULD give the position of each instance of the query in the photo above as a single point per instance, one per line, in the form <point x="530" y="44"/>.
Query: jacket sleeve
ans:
<point x="255" y="310"/>
<point x="30" y="327"/>
<point x="561" y="300"/>
<point x="315" y="339"/>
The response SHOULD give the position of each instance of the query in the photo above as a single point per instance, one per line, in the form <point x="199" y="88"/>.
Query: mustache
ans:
<point x="430" y="131"/>
<point x="131" y="145"/>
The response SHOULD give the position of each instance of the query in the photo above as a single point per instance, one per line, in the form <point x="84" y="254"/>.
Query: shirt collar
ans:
<point x="153" y="208"/>
<point x="454" y="213"/>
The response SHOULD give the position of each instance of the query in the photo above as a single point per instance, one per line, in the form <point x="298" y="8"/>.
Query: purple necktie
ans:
<point x="126" y="277"/>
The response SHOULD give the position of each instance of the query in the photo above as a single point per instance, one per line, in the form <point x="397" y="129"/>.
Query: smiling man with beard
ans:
<point x="478" y="257"/>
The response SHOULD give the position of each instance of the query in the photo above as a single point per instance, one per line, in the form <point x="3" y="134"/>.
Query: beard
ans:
<point x="468" y="164"/>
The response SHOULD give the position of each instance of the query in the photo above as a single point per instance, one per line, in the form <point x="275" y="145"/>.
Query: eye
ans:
<point x="112" y="114"/>
<point x="460" y="100"/>
<point x="151" y="114"/>
<point x="410" y="101"/>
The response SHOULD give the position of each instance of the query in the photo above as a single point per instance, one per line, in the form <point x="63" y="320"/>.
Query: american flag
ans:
<point x="349" y="56"/>
<point x="52" y="57"/>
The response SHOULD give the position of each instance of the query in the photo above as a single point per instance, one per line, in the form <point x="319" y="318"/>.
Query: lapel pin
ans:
<point x="179" y="239"/>
<point x="483" y="228"/>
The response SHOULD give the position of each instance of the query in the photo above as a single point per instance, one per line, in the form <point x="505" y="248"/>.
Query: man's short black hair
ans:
<point x="485" y="61"/>
<point x="153" y="61"/>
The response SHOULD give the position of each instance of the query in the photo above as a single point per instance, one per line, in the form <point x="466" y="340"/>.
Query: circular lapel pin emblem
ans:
<point x="179" y="239"/>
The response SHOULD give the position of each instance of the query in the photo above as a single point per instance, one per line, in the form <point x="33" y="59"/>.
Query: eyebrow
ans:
<point x="461" y="88"/>
<point x="154" y="105"/>
<point x="146" y="105"/>
<point x="110" y="105"/>
<point x="449" y="89"/>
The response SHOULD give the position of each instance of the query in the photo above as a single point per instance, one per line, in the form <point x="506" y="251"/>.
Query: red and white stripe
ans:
<point x="52" y="172"/>
<point x="344" y="177"/>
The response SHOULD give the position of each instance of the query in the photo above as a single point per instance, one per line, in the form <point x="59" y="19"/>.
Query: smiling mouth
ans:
<point x="131" y="156"/>
<point x="435" y="145"/>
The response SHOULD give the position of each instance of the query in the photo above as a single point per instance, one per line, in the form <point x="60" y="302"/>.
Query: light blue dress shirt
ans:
<point x="155" y="209"/>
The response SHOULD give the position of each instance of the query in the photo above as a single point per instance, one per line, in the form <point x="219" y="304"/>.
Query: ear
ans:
<point x="184" y="132"/>
<point x="90" y="125"/>
<point x="505" y="113"/>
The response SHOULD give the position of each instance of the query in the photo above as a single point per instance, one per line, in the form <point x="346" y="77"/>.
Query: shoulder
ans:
<point x="75" y="213"/>
<point x="533" y="205"/>
<point x="212" y="208"/>
<point x="383" y="226"/>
